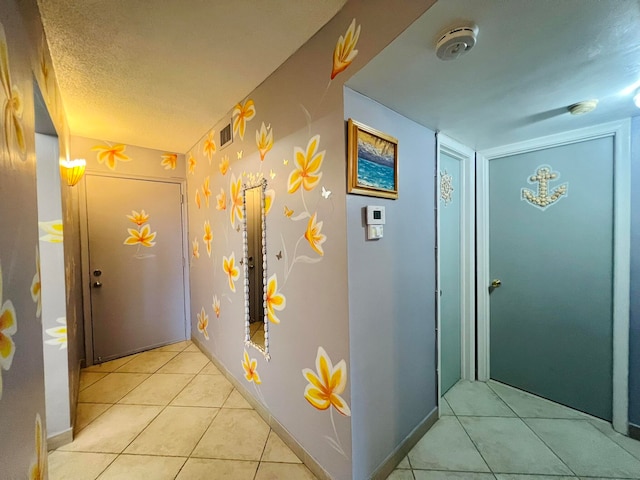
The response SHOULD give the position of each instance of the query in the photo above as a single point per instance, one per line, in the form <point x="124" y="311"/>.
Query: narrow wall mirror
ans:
<point x="255" y="266"/>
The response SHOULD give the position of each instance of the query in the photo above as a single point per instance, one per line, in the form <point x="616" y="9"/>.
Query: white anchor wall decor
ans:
<point x="542" y="199"/>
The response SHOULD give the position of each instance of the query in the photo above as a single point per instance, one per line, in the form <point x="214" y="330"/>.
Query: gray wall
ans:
<point x="634" y="332"/>
<point x="391" y="296"/>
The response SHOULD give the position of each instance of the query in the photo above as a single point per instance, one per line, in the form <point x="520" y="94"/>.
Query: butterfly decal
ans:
<point x="272" y="174"/>
<point x="285" y="162"/>
<point x="239" y="154"/>
<point x="279" y="255"/>
<point x="326" y="193"/>
<point x="287" y="212"/>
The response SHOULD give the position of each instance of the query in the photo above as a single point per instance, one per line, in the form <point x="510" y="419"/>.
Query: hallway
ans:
<point x="492" y="431"/>
<point x="169" y="414"/>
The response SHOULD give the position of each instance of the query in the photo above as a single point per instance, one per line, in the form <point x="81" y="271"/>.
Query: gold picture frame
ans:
<point x="372" y="162"/>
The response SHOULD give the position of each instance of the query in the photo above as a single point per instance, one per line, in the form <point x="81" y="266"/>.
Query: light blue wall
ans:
<point x="634" y="332"/>
<point x="391" y="296"/>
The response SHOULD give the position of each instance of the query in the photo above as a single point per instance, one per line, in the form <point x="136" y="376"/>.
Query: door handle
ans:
<point x="97" y="284"/>
<point x="496" y="283"/>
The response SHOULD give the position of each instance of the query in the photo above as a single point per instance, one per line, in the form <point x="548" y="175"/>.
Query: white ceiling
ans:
<point x="532" y="59"/>
<point x="158" y="73"/>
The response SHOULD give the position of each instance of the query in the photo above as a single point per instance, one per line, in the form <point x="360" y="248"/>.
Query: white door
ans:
<point x="135" y="264"/>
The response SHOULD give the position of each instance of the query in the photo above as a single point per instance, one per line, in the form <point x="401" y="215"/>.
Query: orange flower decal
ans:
<point x="8" y="328"/>
<point x="196" y="248"/>
<point x="209" y="147"/>
<point x="250" y="367"/>
<point x="138" y="218"/>
<point x="192" y="164"/>
<point x="203" y="323"/>
<point x="208" y="236"/>
<point x="235" y="211"/>
<point x="216" y="306"/>
<point x="241" y="115"/>
<point x="198" y="201"/>
<point x="110" y="155"/>
<point x="224" y="165"/>
<point x="275" y="301"/>
<point x="143" y="237"/>
<point x="307" y="173"/>
<point x="169" y="161"/>
<point x="13" y="104"/>
<point x="229" y="267"/>
<point x="313" y="235"/>
<point x="327" y="384"/>
<point x="206" y="191"/>
<point x="221" y="200"/>
<point x="269" y="197"/>
<point x="264" y="140"/>
<point x="36" y="290"/>
<point x="39" y="469"/>
<point x="345" y="51"/>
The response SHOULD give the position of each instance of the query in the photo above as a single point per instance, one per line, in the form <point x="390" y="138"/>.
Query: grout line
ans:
<point x="474" y="444"/>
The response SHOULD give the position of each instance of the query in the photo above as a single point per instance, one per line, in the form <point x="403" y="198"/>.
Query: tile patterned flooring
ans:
<point x="169" y="414"/>
<point x="489" y="431"/>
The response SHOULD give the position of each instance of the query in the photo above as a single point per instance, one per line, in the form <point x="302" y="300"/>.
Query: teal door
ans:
<point x="551" y="246"/>
<point x="450" y="210"/>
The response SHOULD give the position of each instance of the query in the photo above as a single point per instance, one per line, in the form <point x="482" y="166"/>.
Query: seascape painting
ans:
<point x="373" y="162"/>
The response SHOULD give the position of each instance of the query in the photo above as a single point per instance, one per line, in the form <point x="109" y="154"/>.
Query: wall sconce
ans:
<point x="72" y="170"/>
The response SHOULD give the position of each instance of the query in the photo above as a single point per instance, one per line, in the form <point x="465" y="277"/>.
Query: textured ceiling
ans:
<point x="532" y="59"/>
<point x="158" y="73"/>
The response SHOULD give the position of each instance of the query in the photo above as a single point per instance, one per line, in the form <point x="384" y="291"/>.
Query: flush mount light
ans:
<point x="581" y="108"/>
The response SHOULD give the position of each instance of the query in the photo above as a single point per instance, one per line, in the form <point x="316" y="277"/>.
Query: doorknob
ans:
<point x="97" y="284"/>
<point x="496" y="283"/>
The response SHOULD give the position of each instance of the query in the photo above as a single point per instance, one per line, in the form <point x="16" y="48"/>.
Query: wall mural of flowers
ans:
<point x="38" y="470"/>
<point x="12" y="107"/>
<point x="53" y="231"/>
<point x="142" y="236"/>
<point x="36" y="288"/>
<point x="242" y="113"/>
<point x="203" y="323"/>
<point x="110" y="155"/>
<point x="58" y="334"/>
<point x="8" y="328"/>
<point x="323" y="391"/>
<point x="169" y="161"/>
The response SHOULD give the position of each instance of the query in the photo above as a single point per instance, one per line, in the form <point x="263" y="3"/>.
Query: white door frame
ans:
<point x="467" y="254"/>
<point x="620" y="131"/>
<point x="84" y="253"/>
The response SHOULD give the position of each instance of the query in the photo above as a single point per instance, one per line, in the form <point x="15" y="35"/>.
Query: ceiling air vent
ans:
<point x="226" y="136"/>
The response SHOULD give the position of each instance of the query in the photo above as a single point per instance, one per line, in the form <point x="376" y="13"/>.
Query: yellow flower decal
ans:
<point x="308" y="163"/>
<point x="143" y="237"/>
<point x="269" y="197"/>
<point x="209" y="147"/>
<point x="59" y="334"/>
<point x="275" y="301"/>
<point x="313" y="235"/>
<point x="235" y="211"/>
<point x="264" y="140"/>
<point x="216" y="306"/>
<point x="39" y="469"/>
<point x="192" y="164"/>
<point x="206" y="191"/>
<point x="8" y="328"/>
<point x="53" y="230"/>
<point x="139" y="218"/>
<point x="111" y="154"/>
<point x="169" y="161"/>
<point x="345" y="51"/>
<point x="203" y="323"/>
<point x="221" y="200"/>
<point x="13" y="103"/>
<point x="198" y="201"/>
<point x="224" y="165"/>
<point x="250" y="367"/>
<point x="36" y="291"/>
<point x="241" y="115"/>
<point x="229" y="267"/>
<point x="327" y="384"/>
<point x="208" y="236"/>
<point x="196" y="248"/>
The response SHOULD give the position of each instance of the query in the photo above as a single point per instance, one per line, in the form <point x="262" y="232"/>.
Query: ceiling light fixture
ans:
<point x="72" y="170"/>
<point x="581" y="108"/>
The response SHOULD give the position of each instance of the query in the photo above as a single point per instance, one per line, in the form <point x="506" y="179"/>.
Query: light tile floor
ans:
<point x="495" y="432"/>
<point x="169" y="414"/>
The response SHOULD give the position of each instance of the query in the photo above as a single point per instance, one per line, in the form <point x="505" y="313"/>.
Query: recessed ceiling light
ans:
<point x="581" y="108"/>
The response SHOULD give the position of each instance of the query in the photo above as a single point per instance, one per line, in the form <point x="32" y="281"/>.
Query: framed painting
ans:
<point x="372" y="162"/>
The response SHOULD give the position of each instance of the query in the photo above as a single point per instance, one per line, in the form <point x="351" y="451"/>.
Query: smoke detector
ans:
<point x="455" y="42"/>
